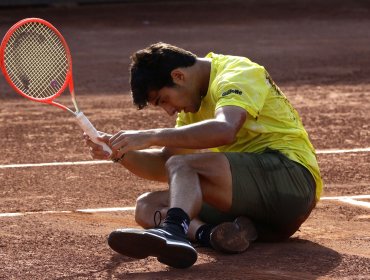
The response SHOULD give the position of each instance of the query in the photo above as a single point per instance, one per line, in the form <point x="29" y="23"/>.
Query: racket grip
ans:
<point x="90" y="130"/>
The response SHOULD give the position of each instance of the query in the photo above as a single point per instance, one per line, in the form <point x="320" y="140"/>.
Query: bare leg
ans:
<point x="192" y="179"/>
<point x="196" y="178"/>
<point x="146" y="206"/>
<point x="148" y="203"/>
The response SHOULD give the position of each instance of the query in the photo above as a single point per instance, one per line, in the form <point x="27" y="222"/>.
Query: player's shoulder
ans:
<point x="230" y="61"/>
<point x="230" y="69"/>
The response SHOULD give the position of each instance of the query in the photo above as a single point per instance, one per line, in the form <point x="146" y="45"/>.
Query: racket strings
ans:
<point x="36" y="60"/>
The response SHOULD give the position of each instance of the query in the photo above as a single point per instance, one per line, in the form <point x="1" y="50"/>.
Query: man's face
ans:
<point x="176" y="99"/>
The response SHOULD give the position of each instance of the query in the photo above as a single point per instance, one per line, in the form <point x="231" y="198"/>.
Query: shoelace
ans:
<point x="156" y="222"/>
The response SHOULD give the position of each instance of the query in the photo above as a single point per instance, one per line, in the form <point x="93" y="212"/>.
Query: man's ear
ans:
<point x="178" y="76"/>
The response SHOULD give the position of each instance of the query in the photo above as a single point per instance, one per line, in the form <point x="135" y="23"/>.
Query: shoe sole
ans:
<point x="139" y="245"/>
<point x="233" y="237"/>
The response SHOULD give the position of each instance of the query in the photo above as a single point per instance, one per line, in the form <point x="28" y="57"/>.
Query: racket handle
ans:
<point x="90" y="130"/>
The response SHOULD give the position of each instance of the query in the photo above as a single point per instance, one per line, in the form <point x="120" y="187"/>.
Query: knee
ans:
<point x="147" y="205"/>
<point x="141" y="210"/>
<point x="177" y="162"/>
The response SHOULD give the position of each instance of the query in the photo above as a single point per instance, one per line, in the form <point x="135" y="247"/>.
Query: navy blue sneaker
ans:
<point x="173" y="250"/>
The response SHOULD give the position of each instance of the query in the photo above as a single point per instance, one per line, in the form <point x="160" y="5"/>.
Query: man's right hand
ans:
<point x="96" y="151"/>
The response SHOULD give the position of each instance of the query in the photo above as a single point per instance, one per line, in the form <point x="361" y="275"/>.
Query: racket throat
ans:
<point x="76" y="106"/>
<point x="72" y="91"/>
<point x="64" y="108"/>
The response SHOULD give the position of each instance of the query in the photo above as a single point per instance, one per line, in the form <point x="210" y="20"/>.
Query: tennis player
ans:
<point x="239" y="163"/>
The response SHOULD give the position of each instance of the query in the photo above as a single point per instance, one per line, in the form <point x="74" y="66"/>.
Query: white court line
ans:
<point x="90" y="162"/>
<point x="346" y="199"/>
<point x="87" y="162"/>
<point x="89" y="211"/>
<point x="355" y="202"/>
<point x="361" y="196"/>
<point x="106" y="209"/>
<point x="333" y="151"/>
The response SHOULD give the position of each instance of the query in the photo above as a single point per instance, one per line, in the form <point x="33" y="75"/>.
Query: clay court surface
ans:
<point x="319" y="54"/>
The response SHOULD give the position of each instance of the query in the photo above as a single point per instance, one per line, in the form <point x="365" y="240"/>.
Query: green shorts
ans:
<point x="276" y="193"/>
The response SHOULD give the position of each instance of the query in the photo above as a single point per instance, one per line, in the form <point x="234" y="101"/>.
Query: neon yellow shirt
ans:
<point x="273" y="122"/>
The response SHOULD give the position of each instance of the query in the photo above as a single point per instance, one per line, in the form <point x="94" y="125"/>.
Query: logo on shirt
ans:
<point x="230" y="91"/>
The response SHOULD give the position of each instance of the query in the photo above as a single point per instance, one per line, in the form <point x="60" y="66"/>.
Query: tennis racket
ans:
<point x="36" y="62"/>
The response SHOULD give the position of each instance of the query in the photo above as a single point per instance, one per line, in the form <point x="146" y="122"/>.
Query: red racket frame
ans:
<point x="68" y="81"/>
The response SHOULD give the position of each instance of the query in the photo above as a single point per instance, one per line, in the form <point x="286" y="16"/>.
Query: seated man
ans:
<point x="239" y="163"/>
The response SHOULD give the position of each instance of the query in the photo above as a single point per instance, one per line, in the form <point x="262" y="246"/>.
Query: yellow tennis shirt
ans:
<point x="273" y="122"/>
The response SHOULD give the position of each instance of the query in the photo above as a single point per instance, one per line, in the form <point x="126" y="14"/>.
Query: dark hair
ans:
<point x="151" y="69"/>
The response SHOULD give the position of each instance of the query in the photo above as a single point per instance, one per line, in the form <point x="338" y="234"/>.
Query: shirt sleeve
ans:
<point x="245" y="88"/>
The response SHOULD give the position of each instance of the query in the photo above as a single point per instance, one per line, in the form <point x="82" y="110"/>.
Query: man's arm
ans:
<point x="221" y="130"/>
<point x="215" y="132"/>
<point x="148" y="164"/>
